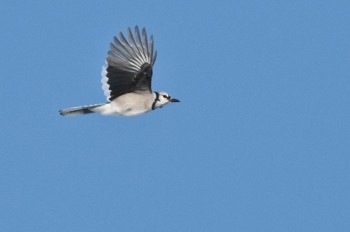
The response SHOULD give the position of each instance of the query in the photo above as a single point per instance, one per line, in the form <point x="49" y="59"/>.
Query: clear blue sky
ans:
<point x="260" y="141"/>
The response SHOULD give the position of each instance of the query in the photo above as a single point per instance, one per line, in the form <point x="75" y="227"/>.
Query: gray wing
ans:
<point x="129" y="65"/>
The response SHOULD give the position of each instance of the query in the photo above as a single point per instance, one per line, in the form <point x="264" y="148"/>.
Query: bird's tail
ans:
<point x="79" y="110"/>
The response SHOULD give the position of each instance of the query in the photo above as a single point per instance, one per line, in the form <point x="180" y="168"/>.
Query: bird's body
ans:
<point x="126" y="79"/>
<point x="129" y="104"/>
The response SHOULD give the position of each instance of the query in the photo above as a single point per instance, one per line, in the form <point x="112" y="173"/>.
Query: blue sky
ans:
<point x="259" y="142"/>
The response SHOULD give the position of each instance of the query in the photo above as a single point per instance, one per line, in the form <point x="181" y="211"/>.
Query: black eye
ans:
<point x="165" y="96"/>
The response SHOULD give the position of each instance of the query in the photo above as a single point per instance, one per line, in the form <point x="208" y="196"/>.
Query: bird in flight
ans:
<point x="127" y="78"/>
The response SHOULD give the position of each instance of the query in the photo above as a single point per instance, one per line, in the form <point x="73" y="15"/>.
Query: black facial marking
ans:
<point x="167" y="97"/>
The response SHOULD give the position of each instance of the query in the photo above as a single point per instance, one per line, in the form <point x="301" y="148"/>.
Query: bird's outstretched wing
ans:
<point x="129" y="65"/>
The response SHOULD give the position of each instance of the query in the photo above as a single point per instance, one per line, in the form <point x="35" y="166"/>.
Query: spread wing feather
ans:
<point x="129" y="64"/>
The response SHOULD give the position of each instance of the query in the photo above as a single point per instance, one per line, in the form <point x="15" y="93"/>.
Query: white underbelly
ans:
<point x="124" y="106"/>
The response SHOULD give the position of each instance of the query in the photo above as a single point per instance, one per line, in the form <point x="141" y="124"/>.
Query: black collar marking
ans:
<point x="155" y="100"/>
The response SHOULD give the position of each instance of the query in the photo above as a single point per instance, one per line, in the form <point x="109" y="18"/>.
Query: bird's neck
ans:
<point x="156" y="98"/>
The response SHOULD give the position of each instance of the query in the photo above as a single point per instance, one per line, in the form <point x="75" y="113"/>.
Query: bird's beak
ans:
<point x="174" y="100"/>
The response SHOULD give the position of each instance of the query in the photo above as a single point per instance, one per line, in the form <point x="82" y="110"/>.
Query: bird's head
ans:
<point x="161" y="99"/>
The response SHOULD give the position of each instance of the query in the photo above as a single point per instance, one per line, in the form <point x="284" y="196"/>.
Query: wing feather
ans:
<point x="129" y="64"/>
